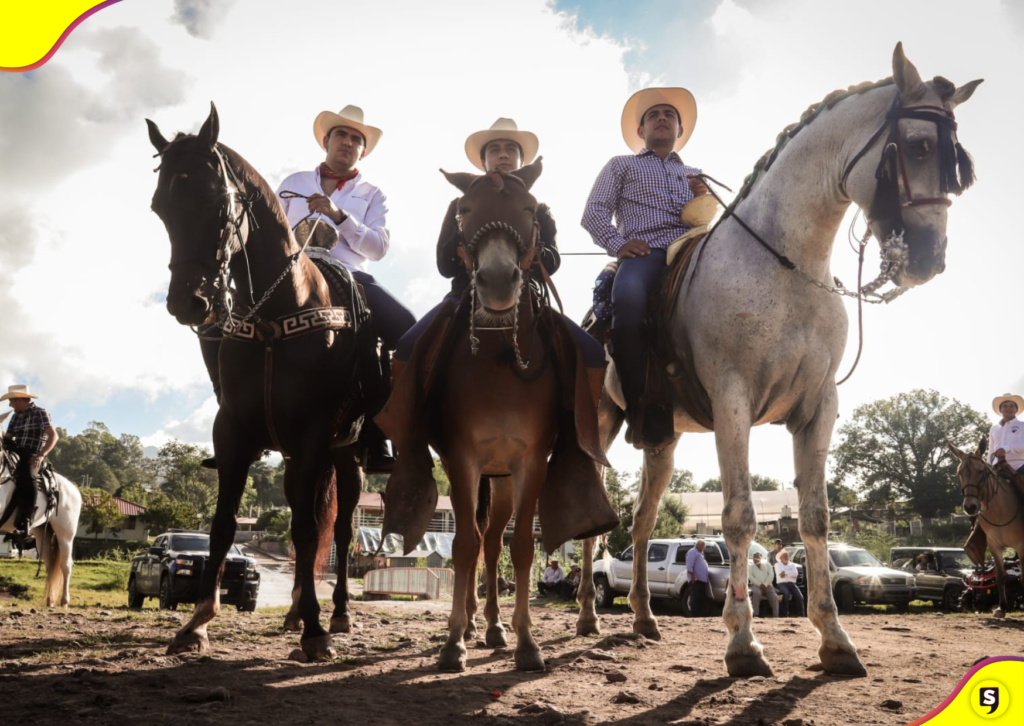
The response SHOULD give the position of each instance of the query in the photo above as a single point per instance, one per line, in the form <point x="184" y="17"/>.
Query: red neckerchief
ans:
<point x="326" y="173"/>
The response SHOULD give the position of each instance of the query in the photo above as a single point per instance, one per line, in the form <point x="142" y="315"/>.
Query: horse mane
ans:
<point x="246" y="173"/>
<point x="806" y="118"/>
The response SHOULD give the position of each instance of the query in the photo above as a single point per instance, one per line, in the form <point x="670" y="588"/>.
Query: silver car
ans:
<point x="858" y="576"/>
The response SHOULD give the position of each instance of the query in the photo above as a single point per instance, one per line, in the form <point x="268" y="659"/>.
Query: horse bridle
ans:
<point x="989" y="474"/>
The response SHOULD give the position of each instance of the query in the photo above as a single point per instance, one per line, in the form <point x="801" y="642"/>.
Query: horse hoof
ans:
<point x="292" y="624"/>
<point x="452" y="658"/>
<point x="998" y="613"/>
<point x="469" y="633"/>
<point x="747" y="666"/>
<point x="495" y="637"/>
<point x="587" y="627"/>
<point x="318" y="648"/>
<point x="529" y="660"/>
<point x="647" y="628"/>
<point x="342" y="624"/>
<point x="187" y="642"/>
<point x="842" y="663"/>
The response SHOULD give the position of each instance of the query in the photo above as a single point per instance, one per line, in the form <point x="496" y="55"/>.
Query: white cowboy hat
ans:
<point x="640" y="102"/>
<point x="351" y="116"/>
<point x="998" y="401"/>
<point x="17" y="391"/>
<point x="503" y="128"/>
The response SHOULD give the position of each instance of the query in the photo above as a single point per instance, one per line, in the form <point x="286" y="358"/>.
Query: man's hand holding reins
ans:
<point x="697" y="185"/>
<point x="326" y="206"/>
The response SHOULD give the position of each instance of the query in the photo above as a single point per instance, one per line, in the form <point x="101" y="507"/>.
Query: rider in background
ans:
<point x="1006" y="438"/>
<point x="644" y="195"/>
<point x="31" y="436"/>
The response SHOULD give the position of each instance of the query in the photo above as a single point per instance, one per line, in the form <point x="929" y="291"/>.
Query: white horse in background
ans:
<point x="54" y="535"/>
<point x="758" y="333"/>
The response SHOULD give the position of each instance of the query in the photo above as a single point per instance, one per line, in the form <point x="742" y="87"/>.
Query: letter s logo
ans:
<point x="990" y="699"/>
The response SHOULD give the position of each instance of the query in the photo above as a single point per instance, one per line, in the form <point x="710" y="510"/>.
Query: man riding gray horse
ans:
<point x="31" y="436"/>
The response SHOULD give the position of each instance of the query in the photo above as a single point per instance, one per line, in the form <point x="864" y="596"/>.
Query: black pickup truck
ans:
<point x="174" y="566"/>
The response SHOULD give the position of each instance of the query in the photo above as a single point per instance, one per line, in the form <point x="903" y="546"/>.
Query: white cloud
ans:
<point x="195" y="429"/>
<point x="201" y="17"/>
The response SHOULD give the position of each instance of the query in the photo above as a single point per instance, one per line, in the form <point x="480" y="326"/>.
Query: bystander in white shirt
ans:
<point x="363" y="234"/>
<point x="553" y="575"/>
<point x="785" y="572"/>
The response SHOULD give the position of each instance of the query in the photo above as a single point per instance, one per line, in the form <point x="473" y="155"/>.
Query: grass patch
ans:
<point x="17" y="590"/>
<point x="98" y="583"/>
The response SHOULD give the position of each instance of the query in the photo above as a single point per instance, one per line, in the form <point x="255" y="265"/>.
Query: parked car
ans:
<point x="173" y="567"/>
<point x="942" y="580"/>
<point x="666" y="571"/>
<point x="857" y="576"/>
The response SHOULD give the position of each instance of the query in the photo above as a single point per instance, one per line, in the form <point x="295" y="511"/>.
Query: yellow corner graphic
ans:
<point x="991" y="693"/>
<point x="31" y="32"/>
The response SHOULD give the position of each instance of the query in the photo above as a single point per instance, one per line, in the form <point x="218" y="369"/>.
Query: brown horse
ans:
<point x="287" y="373"/>
<point x="997" y="503"/>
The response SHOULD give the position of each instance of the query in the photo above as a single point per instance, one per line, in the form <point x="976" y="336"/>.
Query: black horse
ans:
<point x="288" y="363"/>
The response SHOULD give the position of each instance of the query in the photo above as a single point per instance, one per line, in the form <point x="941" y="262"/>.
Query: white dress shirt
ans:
<point x="785" y="572"/>
<point x="1008" y="436"/>
<point x="553" y="576"/>
<point x="363" y="235"/>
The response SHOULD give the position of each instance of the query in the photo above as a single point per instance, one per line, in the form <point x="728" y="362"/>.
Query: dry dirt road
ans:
<point x="95" y="666"/>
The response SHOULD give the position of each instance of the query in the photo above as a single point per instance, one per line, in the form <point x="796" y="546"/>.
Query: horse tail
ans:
<point x="326" y="513"/>
<point x="50" y="551"/>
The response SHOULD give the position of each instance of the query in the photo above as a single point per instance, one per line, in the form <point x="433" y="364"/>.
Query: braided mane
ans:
<point x="812" y="112"/>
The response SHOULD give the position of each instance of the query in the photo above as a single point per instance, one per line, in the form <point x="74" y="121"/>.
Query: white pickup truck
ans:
<point x="666" y="571"/>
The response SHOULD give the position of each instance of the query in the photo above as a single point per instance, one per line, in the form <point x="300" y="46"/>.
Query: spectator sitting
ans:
<point x="786" y="573"/>
<point x="552" y="577"/>
<point x="760" y="577"/>
<point x="572" y="582"/>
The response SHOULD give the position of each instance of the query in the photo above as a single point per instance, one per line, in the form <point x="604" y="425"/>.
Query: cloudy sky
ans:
<point x="83" y="262"/>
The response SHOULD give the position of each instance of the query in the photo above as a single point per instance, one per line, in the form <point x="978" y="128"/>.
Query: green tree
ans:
<point x="100" y="512"/>
<point x="681" y="482"/>
<point x="712" y="485"/>
<point x="185" y="480"/>
<point x="620" y="494"/>
<point x="840" y="495"/>
<point x="275" y="521"/>
<point x="164" y="512"/>
<point x="894" y="449"/>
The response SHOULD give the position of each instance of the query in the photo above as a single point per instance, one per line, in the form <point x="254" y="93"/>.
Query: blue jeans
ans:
<point x="593" y="352"/>
<point x="634" y="283"/>
<point x="391" y="319"/>
<point x="790" y="590"/>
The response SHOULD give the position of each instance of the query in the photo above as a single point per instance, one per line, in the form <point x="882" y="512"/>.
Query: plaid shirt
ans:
<point x="646" y="194"/>
<point x="28" y="429"/>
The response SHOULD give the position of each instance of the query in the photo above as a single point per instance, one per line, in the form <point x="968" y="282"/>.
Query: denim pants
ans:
<point x="790" y="590"/>
<point x="634" y="283"/>
<point x="391" y="319"/>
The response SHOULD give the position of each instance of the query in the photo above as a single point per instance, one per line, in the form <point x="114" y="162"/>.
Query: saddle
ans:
<point x="45" y="483"/>
<point x="573" y="503"/>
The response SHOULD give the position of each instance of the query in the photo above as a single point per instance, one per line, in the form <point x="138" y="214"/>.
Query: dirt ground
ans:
<point x="95" y="666"/>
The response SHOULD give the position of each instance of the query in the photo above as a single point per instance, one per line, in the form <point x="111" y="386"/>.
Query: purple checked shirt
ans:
<point x="645" y="194"/>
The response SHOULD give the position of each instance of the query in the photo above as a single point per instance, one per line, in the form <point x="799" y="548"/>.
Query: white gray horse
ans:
<point x="54" y="535"/>
<point x="758" y="333"/>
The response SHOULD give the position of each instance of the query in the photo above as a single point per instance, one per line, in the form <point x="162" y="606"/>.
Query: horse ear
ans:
<point x="530" y="173"/>
<point x="460" y="180"/>
<point x="964" y="92"/>
<point x="961" y="455"/>
<point x="157" y="139"/>
<point x="982" y="445"/>
<point x="908" y="80"/>
<point x="211" y="129"/>
<point x="3" y="417"/>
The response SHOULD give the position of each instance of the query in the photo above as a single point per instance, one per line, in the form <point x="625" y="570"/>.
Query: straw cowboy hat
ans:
<point x="17" y="391"/>
<point x="351" y="116"/>
<point x="640" y="102"/>
<point x="503" y="128"/>
<point x="998" y="401"/>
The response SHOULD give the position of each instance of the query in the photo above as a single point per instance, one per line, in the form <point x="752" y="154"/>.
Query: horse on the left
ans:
<point x="53" y="525"/>
<point x="289" y="355"/>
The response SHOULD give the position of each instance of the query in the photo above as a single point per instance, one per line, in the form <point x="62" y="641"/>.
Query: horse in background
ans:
<point x="757" y="331"/>
<point x="288" y="363"/>
<point x="995" y="495"/>
<point x="54" y="532"/>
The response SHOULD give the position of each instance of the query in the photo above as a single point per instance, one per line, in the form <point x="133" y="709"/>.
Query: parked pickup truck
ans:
<point x="941" y="579"/>
<point x="666" y="572"/>
<point x="858" y="577"/>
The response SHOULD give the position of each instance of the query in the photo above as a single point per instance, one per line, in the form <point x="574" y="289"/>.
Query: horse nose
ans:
<point x="517" y="274"/>
<point x="188" y="308"/>
<point x="971" y="509"/>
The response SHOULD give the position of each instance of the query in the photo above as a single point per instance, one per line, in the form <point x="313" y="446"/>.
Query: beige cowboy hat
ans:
<point x="998" y="401"/>
<point x="503" y="128"/>
<point x="17" y="391"/>
<point x="640" y="102"/>
<point x="351" y="116"/>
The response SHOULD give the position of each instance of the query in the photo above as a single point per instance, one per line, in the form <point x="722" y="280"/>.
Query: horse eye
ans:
<point x="920" y="149"/>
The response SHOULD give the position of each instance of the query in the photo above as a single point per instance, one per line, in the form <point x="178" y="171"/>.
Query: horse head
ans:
<point x="498" y="222"/>
<point x="196" y="197"/>
<point x="907" y="193"/>
<point x="974" y="473"/>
